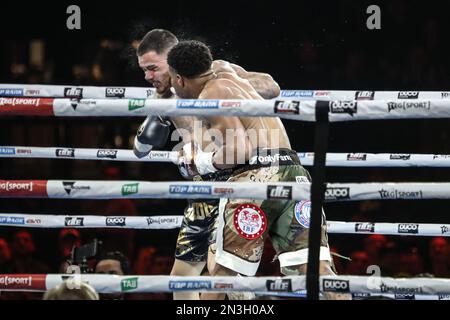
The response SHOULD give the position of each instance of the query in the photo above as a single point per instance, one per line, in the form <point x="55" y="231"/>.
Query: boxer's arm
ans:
<point x="236" y="145"/>
<point x="263" y="83"/>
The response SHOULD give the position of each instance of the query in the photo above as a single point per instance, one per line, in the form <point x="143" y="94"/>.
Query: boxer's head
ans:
<point x="189" y="66"/>
<point x="152" y="58"/>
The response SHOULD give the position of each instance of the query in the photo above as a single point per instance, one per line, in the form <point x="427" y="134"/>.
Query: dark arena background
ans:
<point x="312" y="45"/>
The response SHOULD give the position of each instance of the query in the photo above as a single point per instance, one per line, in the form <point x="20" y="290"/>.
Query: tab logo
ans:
<point x="134" y="104"/>
<point x="128" y="284"/>
<point x="128" y="189"/>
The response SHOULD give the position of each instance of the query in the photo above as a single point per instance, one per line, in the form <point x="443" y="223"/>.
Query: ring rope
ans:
<point x="104" y="283"/>
<point x="307" y="158"/>
<point x="289" y="109"/>
<point x="174" y="221"/>
<point x="106" y="189"/>
<point x="92" y="92"/>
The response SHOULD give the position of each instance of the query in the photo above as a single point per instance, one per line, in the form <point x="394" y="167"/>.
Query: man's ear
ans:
<point x="180" y="81"/>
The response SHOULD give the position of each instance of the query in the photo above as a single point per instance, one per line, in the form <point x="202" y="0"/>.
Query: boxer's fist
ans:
<point x="153" y="133"/>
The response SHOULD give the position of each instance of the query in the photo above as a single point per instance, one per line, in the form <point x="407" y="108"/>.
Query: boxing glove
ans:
<point x="194" y="161"/>
<point x="153" y="133"/>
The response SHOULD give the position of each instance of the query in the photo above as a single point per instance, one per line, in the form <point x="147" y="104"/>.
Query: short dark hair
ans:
<point x="190" y="58"/>
<point x="118" y="256"/>
<point x="158" y="40"/>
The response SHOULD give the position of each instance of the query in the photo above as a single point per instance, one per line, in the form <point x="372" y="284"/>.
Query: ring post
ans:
<point x="317" y="197"/>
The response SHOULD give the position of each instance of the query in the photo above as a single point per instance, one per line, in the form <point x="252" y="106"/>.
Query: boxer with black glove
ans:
<point x="153" y="133"/>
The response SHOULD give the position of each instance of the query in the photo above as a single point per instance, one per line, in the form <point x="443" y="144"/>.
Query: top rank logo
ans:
<point x="350" y="107"/>
<point x="283" y="106"/>
<point x="198" y="104"/>
<point x="115" y="92"/>
<point x="11" y="92"/>
<point x="73" y="93"/>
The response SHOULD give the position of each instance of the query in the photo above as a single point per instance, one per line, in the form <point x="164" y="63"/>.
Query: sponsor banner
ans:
<point x="26" y="188"/>
<point x="23" y="282"/>
<point x="27" y="106"/>
<point x="198" y="104"/>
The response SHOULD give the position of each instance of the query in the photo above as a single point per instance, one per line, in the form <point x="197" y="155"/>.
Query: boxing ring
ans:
<point x="303" y="105"/>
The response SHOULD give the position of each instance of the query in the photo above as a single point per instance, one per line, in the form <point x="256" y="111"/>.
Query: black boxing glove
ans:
<point x="153" y="133"/>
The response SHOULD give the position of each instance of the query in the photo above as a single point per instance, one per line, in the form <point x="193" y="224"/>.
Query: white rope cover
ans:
<point x="106" y="189"/>
<point x="90" y="92"/>
<point x="114" y="284"/>
<point x="290" y="109"/>
<point x="174" y="221"/>
<point x="307" y="158"/>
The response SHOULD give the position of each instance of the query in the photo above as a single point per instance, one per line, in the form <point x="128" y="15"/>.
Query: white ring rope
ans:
<point x="90" y="92"/>
<point x="88" y="154"/>
<point x="289" y="109"/>
<point x="106" y="189"/>
<point x="307" y="158"/>
<point x="174" y="221"/>
<point x="133" y="283"/>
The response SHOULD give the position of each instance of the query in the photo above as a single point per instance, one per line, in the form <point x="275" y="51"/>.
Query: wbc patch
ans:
<point x="249" y="221"/>
<point x="302" y="212"/>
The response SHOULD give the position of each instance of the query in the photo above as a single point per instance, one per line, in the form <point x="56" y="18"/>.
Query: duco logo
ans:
<point x="350" y="107"/>
<point x="408" y="228"/>
<point x="337" y="193"/>
<point x="115" y="221"/>
<point x="336" y="285"/>
<point x="104" y="153"/>
<point x="115" y="92"/>
<point x="408" y="94"/>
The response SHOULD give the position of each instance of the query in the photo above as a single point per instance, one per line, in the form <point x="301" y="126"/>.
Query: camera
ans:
<point x="86" y="255"/>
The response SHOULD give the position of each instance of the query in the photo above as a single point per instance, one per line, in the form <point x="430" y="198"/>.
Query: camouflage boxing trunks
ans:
<point x="243" y="224"/>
